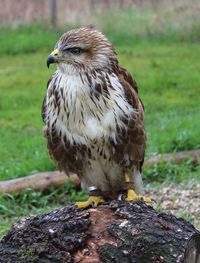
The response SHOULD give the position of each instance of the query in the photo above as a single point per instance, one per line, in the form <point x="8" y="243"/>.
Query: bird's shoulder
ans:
<point x="127" y="78"/>
<point x="130" y="88"/>
<point x="131" y="141"/>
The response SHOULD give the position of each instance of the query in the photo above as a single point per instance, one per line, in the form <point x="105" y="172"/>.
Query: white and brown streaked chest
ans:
<point x="93" y="119"/>
<point x="86" y="108"/>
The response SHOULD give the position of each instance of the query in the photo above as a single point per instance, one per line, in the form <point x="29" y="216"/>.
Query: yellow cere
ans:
<point x="55" y="52"/>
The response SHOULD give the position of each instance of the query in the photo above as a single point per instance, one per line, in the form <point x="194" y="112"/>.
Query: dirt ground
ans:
<point x="182" y="201"/>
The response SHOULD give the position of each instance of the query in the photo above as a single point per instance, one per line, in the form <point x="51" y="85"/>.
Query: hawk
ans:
<point x="94" y="118"/>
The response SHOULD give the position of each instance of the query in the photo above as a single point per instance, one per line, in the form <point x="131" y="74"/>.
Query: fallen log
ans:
<point x="116" y="232"/>
<point x="38" y="181"/>
<point x="177" y="157"/>
<point x="56" y="178"/>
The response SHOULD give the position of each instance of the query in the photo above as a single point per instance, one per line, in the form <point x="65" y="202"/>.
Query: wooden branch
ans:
<point x="37" y="181"/>
<point x="48" y="179"/>
<point x="177" y="157"/>
<point x="117" y="232"/>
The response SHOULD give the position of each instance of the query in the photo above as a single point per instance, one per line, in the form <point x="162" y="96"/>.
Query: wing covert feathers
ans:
<point x="130" y="148"/>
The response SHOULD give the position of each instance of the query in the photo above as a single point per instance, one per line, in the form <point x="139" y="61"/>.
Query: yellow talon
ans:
<point x="93" y="201"/>
<point x="132" y="196"/>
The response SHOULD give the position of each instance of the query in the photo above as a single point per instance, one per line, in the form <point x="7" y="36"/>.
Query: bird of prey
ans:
<point x="94" y="118"/>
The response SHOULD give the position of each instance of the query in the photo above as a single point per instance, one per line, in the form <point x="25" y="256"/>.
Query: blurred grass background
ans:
<point x="158" y="43"/>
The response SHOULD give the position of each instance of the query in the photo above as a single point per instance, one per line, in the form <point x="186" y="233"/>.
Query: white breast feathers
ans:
<point x="86" y="107"/>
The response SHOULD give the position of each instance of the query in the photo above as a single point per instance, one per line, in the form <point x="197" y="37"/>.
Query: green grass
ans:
<point x="23" y="85"/>
<point x="167" y="73"/>
<point x="168" y="79"/>
<point x="160" y="23"/>
<point x="27" y="39"/>
<point x="166" y="173"/>
<point x="154" y="22"/>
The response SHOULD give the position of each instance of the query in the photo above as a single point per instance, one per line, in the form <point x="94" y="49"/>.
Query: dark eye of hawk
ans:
<point x="74" y="50"/>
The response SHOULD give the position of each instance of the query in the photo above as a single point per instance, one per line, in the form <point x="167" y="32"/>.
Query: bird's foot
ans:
<point x="132" y="196"/>
<point x="93" y="201"/>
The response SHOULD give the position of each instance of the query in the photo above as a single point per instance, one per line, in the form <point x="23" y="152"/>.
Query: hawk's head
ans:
<point x="83" y="49"/>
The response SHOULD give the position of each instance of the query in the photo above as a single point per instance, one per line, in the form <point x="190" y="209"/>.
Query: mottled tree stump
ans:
<point x="114" y="232"/>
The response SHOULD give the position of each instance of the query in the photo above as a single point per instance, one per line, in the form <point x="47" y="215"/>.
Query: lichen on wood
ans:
<point x="114" y="232"/>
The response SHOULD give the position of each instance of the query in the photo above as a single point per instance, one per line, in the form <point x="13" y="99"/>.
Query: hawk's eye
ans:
<point x="75" y="50"/>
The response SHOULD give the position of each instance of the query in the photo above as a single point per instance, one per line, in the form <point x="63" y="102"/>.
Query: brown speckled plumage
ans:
<point x="94" y="118"/>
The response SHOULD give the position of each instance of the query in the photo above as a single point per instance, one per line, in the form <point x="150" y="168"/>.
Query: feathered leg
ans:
<point x="131" y="194"/>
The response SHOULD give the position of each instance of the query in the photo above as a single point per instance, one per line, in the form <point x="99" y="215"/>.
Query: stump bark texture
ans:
<point x="116" y="232"/>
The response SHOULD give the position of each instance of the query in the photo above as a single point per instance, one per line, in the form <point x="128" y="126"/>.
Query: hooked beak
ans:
<point x="53" y="57"/>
